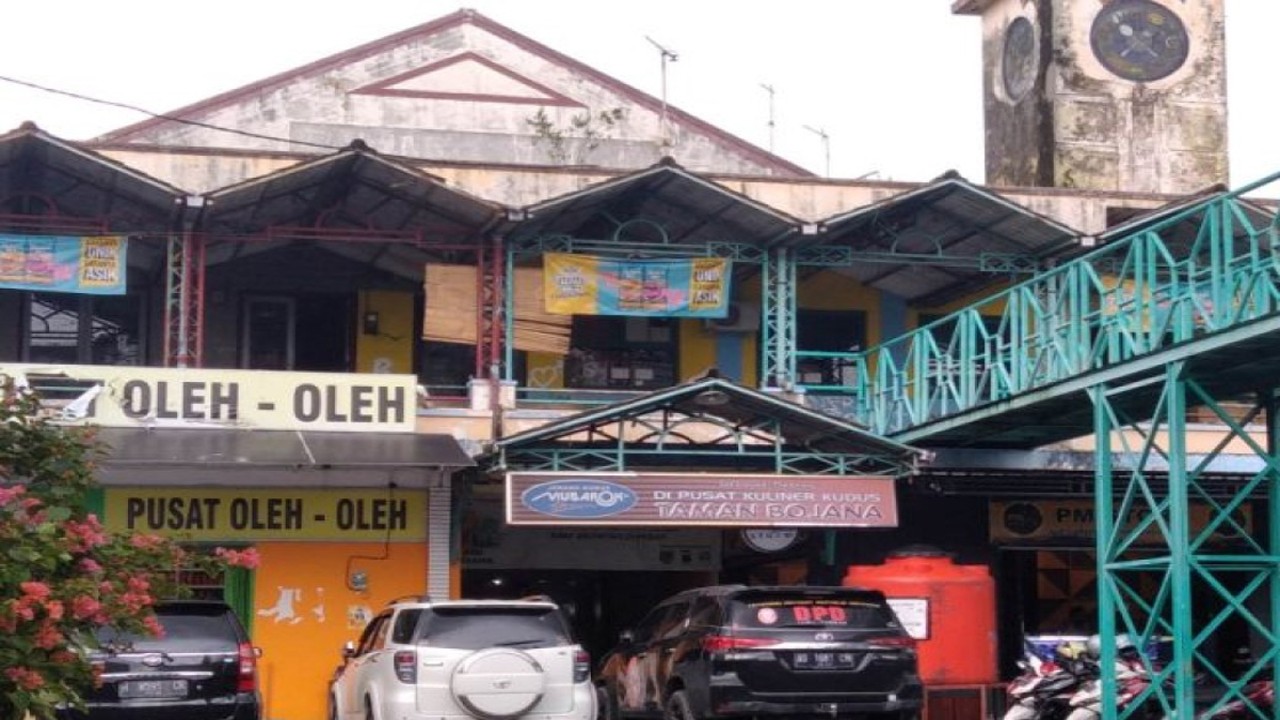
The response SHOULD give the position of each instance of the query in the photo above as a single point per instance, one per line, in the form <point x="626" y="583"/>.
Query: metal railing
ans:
<point x="1211" y="267"/>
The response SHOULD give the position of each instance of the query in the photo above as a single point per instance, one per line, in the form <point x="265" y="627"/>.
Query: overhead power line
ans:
<point x="162" y="116"/>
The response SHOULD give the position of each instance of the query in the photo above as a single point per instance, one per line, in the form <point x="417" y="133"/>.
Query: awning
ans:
<point x="236" y="457"/>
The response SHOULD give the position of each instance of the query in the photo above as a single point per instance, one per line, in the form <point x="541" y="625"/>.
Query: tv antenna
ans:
<point x="666" y="55"/>
<point x="826" y="144"/>
<point x="769" y="89"/>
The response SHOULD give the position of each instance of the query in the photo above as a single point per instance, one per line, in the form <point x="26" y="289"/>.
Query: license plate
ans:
<point x="152" y="689"/>
<point x="822" y="661"/>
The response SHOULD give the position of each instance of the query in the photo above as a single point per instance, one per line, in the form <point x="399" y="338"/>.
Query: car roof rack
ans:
<point x="422" y="597"/>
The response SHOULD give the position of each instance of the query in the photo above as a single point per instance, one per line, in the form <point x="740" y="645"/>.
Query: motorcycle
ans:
<point x="1259" y="701"/>
<point x="1044" y="689"/>
<point x="1132" y="680"/>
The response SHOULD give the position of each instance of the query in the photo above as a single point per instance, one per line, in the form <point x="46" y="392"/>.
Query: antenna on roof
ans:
<point x="826" y="144"/>
<point x="769" y="89"/>
<point x="665" y="56"/>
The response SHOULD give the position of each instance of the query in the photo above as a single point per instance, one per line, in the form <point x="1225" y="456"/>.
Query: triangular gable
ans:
<point x="470" y="77"/>
<point x="329" y="102"/>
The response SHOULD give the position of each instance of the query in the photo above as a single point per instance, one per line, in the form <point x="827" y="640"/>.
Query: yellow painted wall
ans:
<point x="697" y="349"/>
<point x="391" y="350"/>
<point x="828" y="290"/>
<point x="304" y="612"/>
<point x="993" y="308"/>
<point x="545" y="370"/>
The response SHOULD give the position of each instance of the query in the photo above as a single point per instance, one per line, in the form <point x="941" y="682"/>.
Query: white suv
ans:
<point x="483" y="659"/>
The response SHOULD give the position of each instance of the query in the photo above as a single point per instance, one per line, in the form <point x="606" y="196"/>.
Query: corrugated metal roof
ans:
<point x="688" y="208"/>
<point x="41" y="175"/>
<point x="801" y="427"/>
<point x="289" y="449"/>
<point x="942" y="230"/>
<point x="355" y="189"/>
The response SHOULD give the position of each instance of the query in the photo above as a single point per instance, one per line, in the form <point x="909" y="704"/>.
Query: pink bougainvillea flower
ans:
<point x="84" y="607"/>
<point x="146" y="542"/>
<point x="11" y="493"/>
<point x="153" y="626"/>
<point x="25" y="678"/>
<point x="34" y="589"/>
<point x="247" y="558"/>
<point x="47" y="636"/>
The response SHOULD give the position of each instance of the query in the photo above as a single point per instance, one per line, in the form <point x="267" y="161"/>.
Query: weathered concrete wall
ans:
<point x="342" y="102"/>
<point x="1167" y="136"/>
<point x="1079" y="125"/>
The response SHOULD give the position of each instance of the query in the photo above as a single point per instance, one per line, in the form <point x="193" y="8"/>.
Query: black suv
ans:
<point x="202" y="668"/>
<point x="735" y="650"/>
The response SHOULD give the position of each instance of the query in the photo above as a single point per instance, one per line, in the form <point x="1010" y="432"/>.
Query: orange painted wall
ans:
<point x="304" y="612"/>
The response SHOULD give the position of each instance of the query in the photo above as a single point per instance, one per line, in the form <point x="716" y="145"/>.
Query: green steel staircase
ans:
<point x="1122" y="342"/>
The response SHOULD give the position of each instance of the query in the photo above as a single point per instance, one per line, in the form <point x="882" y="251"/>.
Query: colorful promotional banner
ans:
<point x="586" y="285"/>
<point x="93" y="265"/>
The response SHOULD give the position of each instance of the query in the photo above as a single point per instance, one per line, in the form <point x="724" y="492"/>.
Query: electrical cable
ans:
<point x="386" y="545"/>
<point x="162" y="116"/>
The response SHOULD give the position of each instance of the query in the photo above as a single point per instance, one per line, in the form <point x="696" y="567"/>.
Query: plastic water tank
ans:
<point x="950" y="609"/>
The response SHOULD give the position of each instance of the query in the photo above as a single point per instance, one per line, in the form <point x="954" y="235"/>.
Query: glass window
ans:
<point x="85" y="329"/>
<point x="406" y="623"/>
<point x="472" y="628"/>
<point x="368" y="636"/>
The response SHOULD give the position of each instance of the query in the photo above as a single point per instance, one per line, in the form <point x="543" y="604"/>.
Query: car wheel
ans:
<point x="606" y="704"/>
<point x="473" y="688"/>
<point x="678" y="707"/>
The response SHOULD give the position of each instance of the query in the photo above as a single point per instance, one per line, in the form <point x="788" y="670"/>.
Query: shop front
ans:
<point x="320" y="473"/>
<point x="611" y="510"/>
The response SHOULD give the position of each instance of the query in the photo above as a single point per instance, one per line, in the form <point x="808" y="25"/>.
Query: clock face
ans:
<point x="1139" y="40"/>
<point x="1019" y="59"/>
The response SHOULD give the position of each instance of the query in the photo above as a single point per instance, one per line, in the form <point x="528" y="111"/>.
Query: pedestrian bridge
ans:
<point x="1177" y="313"/>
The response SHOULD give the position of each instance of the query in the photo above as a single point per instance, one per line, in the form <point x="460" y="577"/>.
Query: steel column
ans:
<point x="778" y="351"/>
<point x="1154" y="562"/>
<point x="184" y="301"/>
<point x="492" y="308"/>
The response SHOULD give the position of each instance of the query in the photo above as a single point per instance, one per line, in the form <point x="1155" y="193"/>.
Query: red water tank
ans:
<point x="950" y="609"/>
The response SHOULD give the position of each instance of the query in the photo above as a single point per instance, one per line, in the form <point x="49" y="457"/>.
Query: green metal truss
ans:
<point x="1147" y="539"/>
<point x="1183" y="313"/>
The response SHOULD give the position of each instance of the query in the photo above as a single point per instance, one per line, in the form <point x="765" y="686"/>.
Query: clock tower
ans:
<point x="1104" y="94"/>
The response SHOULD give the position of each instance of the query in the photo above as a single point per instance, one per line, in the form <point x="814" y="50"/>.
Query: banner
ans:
<point x="700" y="500"/>
<point x="92" y="265"/>
<point x="586" y="285"/>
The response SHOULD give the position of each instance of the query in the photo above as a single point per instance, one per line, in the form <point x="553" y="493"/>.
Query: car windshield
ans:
<point x="474" y="628"/>
<point x="186" y="628"/>
<point x="850" y="610"/>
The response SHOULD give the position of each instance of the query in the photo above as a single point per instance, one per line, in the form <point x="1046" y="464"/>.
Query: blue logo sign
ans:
<point x="579" y="498"/>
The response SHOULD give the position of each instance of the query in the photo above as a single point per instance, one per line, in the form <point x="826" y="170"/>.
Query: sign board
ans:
<point x="770" y="540"/>
<point x="129" y="396"/>
<point x="913" y="613"/>
<point x="242" y="514"/>
<point x="1067" y="521"/>
<point x="91" y="265"/>
<point x="656" y="499"/>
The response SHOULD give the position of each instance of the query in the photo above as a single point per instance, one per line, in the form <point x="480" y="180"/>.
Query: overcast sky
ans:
<point x="894" y="84"/>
